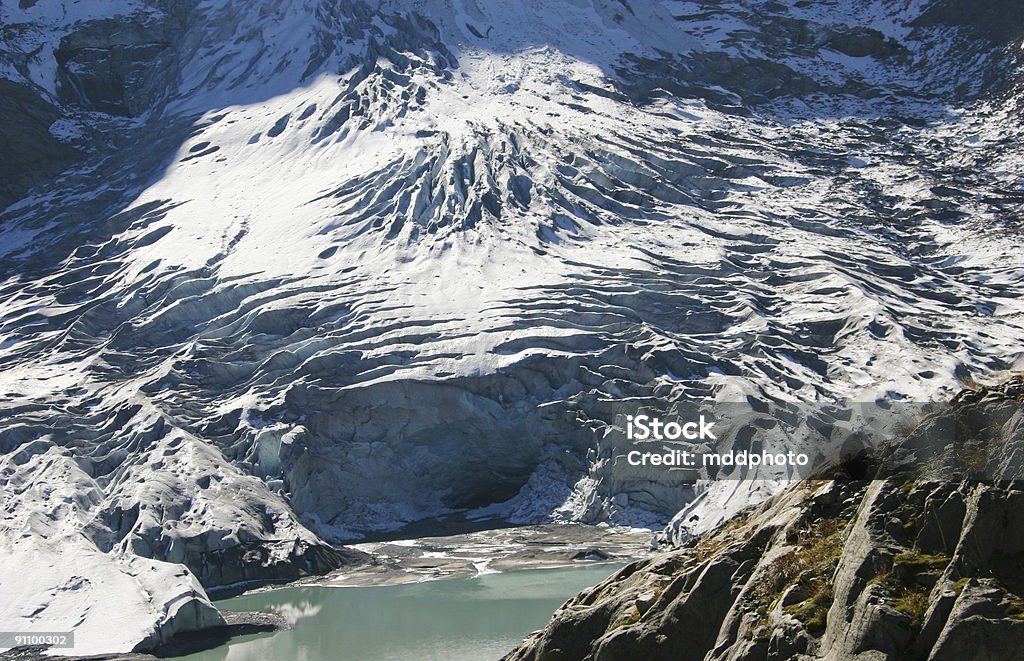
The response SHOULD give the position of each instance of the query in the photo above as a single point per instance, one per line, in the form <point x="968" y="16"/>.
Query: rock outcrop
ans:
<point x="888" y="568"/>
<point x="31" y="153"/>
<point x="115" y="66"/>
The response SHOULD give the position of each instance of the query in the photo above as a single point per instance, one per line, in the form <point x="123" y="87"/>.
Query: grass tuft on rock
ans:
<point x="1014" y="606"/>
<point x="912" y="601"/>
<point x="811" y="565"/>
<point x="921" y="563"/>
<point x="630" y="619"/>
<point x="958" y="587"/>
<point x="813" y="611"/>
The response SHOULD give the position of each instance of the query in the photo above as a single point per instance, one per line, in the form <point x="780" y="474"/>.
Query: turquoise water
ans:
<point x="461" y="618"/>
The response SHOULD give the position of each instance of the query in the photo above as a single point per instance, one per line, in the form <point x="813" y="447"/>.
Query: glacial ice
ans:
<point x="332" y="268"/>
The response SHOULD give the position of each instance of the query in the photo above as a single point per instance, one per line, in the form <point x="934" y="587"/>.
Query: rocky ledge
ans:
<point x="894" y="567"/>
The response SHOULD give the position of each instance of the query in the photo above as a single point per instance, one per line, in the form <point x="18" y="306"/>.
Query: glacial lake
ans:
<point x="476" y="618"/>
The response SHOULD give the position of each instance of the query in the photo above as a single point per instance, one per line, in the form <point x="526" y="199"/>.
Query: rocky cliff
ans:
<point x="894" y="567"/>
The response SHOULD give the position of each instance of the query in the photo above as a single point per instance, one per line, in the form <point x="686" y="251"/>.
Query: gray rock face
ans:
<point x="999" y="20"/>
<point x="884" y="569"/>
<point x="864" y="42"/>
<point x="745" y="591"/>
<point x="31" y="153"/>
<point x="114" y="66"/>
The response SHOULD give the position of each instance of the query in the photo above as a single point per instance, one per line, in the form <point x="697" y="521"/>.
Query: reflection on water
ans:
<point x="462" y="618"/>
<point x="293" y="612"/>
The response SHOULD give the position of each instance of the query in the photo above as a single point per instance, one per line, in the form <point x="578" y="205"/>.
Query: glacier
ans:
<point x="278" y="275"/>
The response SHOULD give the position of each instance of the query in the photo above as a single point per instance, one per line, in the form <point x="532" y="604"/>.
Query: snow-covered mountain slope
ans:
<point x="317" y="268"/>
